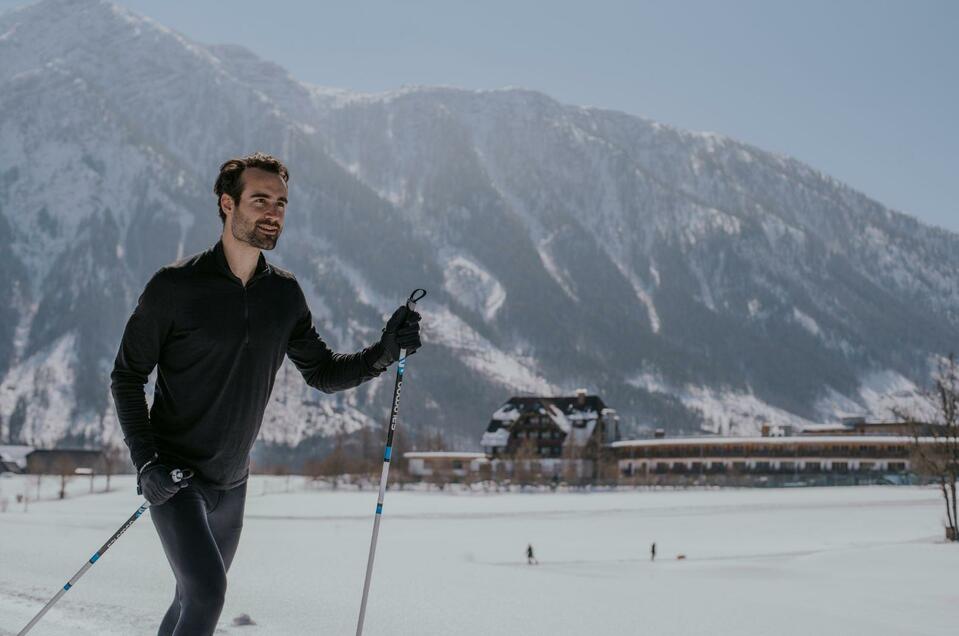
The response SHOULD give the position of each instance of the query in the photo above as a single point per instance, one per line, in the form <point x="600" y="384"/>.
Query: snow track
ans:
<point x="869" y="559"/>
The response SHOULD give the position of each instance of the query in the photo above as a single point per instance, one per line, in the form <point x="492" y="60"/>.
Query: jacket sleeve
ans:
<point x="321" y="368"/>
<point x="139" y="353"/>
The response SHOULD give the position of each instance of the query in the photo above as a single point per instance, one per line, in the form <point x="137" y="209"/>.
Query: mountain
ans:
<point x="690" y="280"/>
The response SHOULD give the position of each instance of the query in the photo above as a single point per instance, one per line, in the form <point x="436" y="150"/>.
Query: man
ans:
<point x="217" y="326"/>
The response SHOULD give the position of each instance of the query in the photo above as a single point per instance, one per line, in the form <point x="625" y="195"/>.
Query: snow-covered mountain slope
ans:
<point x="689" y="279"/>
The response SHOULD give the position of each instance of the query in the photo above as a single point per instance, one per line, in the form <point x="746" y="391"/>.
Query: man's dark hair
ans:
<point x="230" y="179"/>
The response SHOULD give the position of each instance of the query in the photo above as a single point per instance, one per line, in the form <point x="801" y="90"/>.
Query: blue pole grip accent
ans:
<point x="66" y="587"/>
<point x="94" y="558"/>
<point x="379" y="509"/>
<point x="387" y="453"/>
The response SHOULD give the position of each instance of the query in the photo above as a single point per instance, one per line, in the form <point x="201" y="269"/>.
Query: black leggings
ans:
<point x="199" y="528"/>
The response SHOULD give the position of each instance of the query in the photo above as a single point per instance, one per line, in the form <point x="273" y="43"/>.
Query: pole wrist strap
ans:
<point x="147" y="463"/>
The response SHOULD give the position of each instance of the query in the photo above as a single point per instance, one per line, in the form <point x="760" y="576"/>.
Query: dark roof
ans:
<point x="65" y="451"/>
<point x="864" y="428"/>
<point x="569" y="405"/>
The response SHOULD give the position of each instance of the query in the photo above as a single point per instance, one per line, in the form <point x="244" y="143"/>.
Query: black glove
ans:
<point x="157" y="484"/>
<point x="402" y="331"/>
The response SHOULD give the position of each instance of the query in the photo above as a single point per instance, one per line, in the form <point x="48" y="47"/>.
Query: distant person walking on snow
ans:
<point x="530" y="559"/>
<point x="652" y="552"/>
<point x="217" y="326"/>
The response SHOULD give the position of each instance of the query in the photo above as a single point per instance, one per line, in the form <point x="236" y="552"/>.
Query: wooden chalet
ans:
<point x="66" y="461"/>
<point x="550" y="427"/>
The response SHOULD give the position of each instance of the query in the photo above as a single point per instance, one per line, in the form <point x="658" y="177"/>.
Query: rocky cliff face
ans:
<point x="690" y="280"/>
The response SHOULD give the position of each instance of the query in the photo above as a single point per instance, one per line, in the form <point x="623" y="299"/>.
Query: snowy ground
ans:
<point x="846" y="561"/>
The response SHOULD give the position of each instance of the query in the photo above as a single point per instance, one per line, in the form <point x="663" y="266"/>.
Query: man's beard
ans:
<point x="248" y="232"/>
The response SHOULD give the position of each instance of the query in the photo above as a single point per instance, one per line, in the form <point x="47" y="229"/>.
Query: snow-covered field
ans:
<point x="847" y="561"/>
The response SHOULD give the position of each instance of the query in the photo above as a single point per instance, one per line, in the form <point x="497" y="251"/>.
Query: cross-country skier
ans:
<point x="217" y="325"/>
<point x="530" y="558"/>
<point x="652" y="552"/>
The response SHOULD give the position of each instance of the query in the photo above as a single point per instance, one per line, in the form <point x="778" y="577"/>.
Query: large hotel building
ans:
<point x="854" y="448"/>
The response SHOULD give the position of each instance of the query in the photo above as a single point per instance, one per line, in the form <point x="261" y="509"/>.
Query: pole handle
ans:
<point x="414" y="298"/>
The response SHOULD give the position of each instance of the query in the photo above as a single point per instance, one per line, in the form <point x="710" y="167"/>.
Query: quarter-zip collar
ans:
<point x="219" y="256"/>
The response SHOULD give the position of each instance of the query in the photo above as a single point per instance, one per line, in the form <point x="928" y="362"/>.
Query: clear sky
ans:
<point x="864" y="90"/>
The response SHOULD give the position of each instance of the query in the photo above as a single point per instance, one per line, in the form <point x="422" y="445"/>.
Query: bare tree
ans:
<point x="63" y="467"/>
<point x="335" y="464"/>
<point x="501" y="473"/>
<point x="440" y="474"/>
<point x="399" y="465"/>
<point x="281" y="469"/>
<point x="370" y="458"/>
<point x="572" y="463"/>
<point x="608" y="470"/>
<point x="113" y="460"/>
<point x="313" y="468"/>
<point x="935" y="433"/>
<point x="435" y="442"/>
<point x="526" y="465"/>
<point x="470" y="476"/>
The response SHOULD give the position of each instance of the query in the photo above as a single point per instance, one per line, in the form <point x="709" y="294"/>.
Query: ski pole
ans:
<point x="177" y="475"/>
<point x="415" y="297"/>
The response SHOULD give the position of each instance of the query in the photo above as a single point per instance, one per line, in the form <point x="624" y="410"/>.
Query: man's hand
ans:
<point x="158" y="485"/>
<point x="402" y="331"/>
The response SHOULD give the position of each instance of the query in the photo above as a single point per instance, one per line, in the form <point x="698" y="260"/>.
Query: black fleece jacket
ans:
<point x="217" y="346"/>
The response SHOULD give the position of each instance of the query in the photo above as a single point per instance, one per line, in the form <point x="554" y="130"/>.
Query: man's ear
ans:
<point x="226" y="203"/>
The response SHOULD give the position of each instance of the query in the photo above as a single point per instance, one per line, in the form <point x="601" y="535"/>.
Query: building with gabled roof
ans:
<point x="439" y="463"/>
<point x="13" y="458"/>
<point x="532" y="437"/>
<point x="551" y="427"/>
<point x="60" y="461"/>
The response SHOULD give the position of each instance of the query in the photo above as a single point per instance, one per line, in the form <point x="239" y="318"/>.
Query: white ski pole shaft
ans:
<point x="387" y="455"/>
